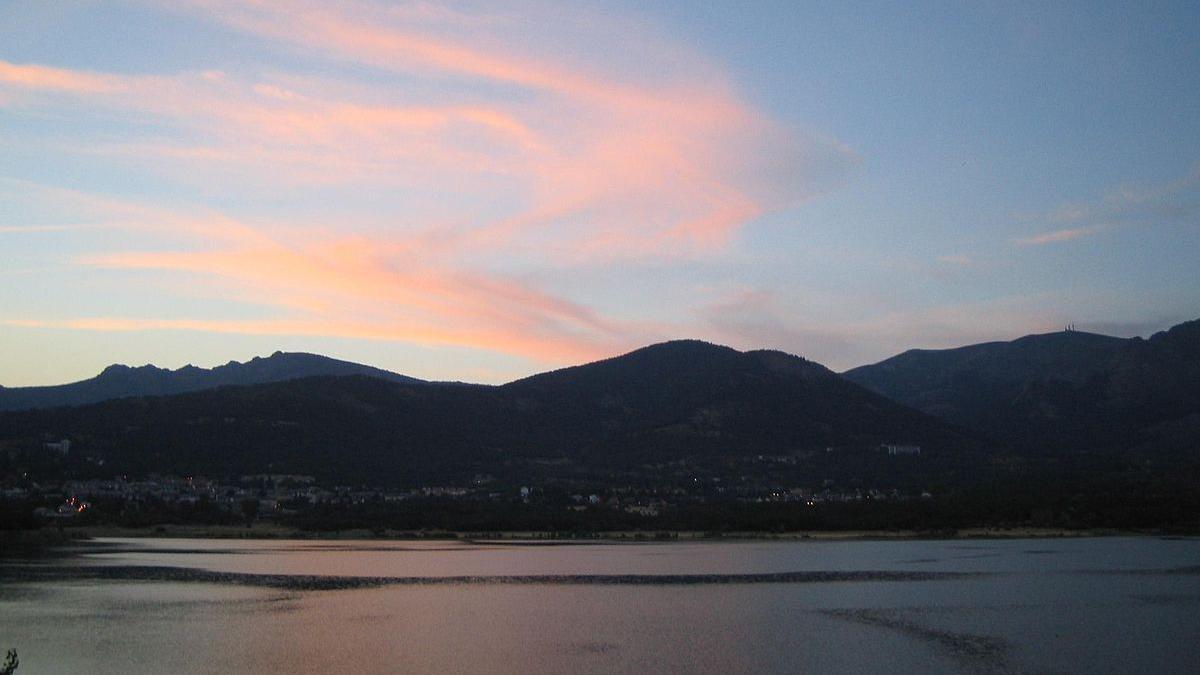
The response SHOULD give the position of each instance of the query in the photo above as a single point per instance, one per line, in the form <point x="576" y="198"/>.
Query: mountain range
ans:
<point x="1066" y="394"/>
<point x="676" y="401"/>
<point x="120" y="381"/>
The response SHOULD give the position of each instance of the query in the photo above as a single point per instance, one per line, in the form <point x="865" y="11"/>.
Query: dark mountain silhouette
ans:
<point x="1067" y="391"/>
<point x="663" y="403"/>
<point x="690" y="394"/>
<point x="119" y="381"/>
<point x="967" y="384"/>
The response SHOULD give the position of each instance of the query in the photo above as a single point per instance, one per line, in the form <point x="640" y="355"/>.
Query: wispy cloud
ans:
<point x="43" y="78"/>
<point x="354" y="287"/>
<point x="1174" y="201"/>
<point x="526" y="156"/>
<point x="627" y="165"/>
<point x="1058" y="236"/>
<point x="545" y="350"/>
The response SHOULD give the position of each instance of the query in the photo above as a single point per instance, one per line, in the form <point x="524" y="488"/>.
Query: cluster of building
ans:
<point x="277" y="494"/>
<point x="273" y="493"/>
<point x="646" y="491"/>
<point x="827" y="496"/>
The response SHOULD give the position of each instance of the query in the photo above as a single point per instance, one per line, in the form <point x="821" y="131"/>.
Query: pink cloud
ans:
<point x="671" y="164"/>
<point x="43" y="78"/>
<point x="542" y="349"/>
<point x="585" y="162"/>
<point x="352" y="287"/>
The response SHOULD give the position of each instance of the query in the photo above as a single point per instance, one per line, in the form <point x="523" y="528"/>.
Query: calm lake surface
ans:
<point x="1104" y="605"/>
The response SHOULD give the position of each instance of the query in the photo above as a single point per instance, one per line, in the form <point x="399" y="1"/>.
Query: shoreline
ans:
<point x="67" y="535"/>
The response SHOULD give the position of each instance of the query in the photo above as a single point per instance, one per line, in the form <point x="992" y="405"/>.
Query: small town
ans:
<point x="269" y="496"/>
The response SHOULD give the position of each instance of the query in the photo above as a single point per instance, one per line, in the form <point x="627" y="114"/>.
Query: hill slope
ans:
<point x="119" y="381"/>
<point x="691" y="394"/>
<point x="1059" y="391"/>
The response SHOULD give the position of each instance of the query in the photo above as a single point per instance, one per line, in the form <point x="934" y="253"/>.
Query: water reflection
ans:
<point x="1097" y="605"/>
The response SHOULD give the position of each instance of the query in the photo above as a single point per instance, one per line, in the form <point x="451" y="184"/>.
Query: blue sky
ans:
<point x="480" y="191"/>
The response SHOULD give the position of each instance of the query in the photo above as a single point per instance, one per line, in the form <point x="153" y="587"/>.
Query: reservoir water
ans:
<point x="1095" y="605"/>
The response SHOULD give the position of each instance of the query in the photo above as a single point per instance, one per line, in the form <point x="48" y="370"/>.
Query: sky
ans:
<point x="481" y="191"/>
